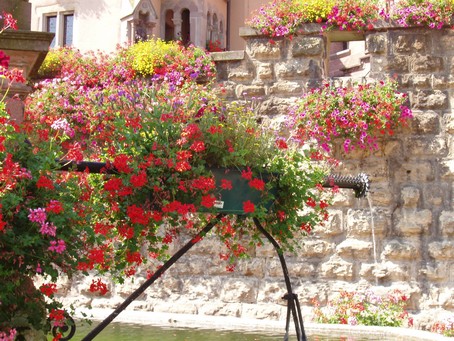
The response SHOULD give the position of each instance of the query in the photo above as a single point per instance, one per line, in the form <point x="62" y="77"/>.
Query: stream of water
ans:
<point x="372" y="224"/>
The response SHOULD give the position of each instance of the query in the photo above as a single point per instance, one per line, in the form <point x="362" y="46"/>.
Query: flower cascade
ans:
<point x="356" y="114"/>
<point x="444" y="327"/>
<point x="284" y="18"/>
<point x="158" y="133"/>
<point x="368" y="309"/>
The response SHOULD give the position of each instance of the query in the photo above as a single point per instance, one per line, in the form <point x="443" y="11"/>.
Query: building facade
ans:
<point x="102" y="24"/>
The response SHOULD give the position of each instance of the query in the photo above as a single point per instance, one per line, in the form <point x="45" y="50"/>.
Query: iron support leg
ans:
<point x="100" y="327"/>
<point x="293" y="306"/>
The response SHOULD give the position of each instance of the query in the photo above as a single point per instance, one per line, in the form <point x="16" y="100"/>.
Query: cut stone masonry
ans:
<point x="411" y="194"/>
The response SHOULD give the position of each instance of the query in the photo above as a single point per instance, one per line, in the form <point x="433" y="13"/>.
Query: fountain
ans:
<point x="359" y="184"/>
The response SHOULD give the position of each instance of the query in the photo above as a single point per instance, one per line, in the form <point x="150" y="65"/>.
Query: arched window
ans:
<point x="221" y="33"/>
<point x="208" y="26"/>
<point x="169" y="26"/>
<point x="215" y="32"/>
<point x="185" y="26"/>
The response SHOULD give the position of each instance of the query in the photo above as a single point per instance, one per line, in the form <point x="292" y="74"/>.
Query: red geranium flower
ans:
<point x="208" y="201"/>
<point x="248" y="207"/>
<point x="257" y="184"/>
<point x="44" y="182"/>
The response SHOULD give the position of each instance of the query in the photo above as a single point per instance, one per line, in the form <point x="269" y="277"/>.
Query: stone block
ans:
<point x="402" y="43"/>
<point x="15" y="107"/>
<point x="391" y="148"/>
<point x="239" y="290"/>
<point x="447" y="223"/>
<point x="381" y="195"/>
<point x="442" y="82"/>
<point x="410" y="197"/>
<point x="447" y="298"/>
<point x="180" y="308"/>
<point x="448" y="120"/>
<point x="426" y="122"/>
<point x="249" y="91"/>
<point x="266" y="250"/>
<point x="389" y="271"/>
<point x="336" y="268"/>
<point x="429" y="100"/>
<point x="426" y="64"/>
<point x="377" y="43"/>
<point x="342" y="198"/>
<point x="424" y="146"/>
<point x="274" y="268"/>
<point x="301" y="268"/>
<point x="333" y="227"/>
<point x="201" y="288"/>
<point x="354" y="249"/>
<point x="436" y="195"/>
<point x="295" y="68"/>
<point x="307" y="46"/>
<point x="264" y="70"/>
<point x="420" y="171"/>
<point x="286" y="88"/>
<point x="397" y="250"/>
<point x="263" y="312"/>
<point x="358" y="222"/>
<point x="441" y="250"/>
<point x="410" y="222"/>
<point x="421" y="81"/>
<point x="437" y="272"/>
<point x="272" y="291"/>
<point x="252" y="267"/>
<point x="260" y="49"/>
<point x="231" y="310"/>
<point x="106" y="302"/>
<point x="447" y="169"/>
<point x="172" y="288"/>
<point x="317" y="248"/>
<point x="398" y="64"/>
<point x="407" y="43"/>
<point x="238" y="75"/>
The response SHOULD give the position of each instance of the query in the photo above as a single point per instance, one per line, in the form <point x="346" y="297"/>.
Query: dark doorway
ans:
<point x="185" y="26"/>
<point x="170" y="26"/>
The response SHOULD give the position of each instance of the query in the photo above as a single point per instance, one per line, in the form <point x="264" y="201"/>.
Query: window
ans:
<point x="62" y="24"/>
<point x="68" y="26"/>
<point x="51" y="26"/>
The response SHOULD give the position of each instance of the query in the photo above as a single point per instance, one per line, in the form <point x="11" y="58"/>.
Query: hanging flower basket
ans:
<point x="234" y="192"/>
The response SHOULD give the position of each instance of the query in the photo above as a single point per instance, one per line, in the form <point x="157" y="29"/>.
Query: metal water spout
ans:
<point x="360" y="184"/>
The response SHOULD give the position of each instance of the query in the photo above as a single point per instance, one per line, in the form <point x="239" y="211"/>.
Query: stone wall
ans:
<point x="407" y="245"/>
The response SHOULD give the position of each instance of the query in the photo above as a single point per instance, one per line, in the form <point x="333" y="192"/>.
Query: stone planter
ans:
<point x="27" y="50"/>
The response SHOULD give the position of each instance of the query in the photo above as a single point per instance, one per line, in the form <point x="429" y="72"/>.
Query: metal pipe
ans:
<point x="360" y="183"/>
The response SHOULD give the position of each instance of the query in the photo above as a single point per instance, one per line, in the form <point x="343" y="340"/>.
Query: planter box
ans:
<point x="231" y="201"/>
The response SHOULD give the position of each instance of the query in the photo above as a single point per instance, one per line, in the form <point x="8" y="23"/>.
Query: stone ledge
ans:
<point x="227" y="56"/>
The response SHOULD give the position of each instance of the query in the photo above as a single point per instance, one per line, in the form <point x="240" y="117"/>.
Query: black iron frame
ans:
<point x="360" y="185"/>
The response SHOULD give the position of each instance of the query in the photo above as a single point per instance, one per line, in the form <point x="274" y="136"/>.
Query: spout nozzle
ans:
<point x="360" y="184"/>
